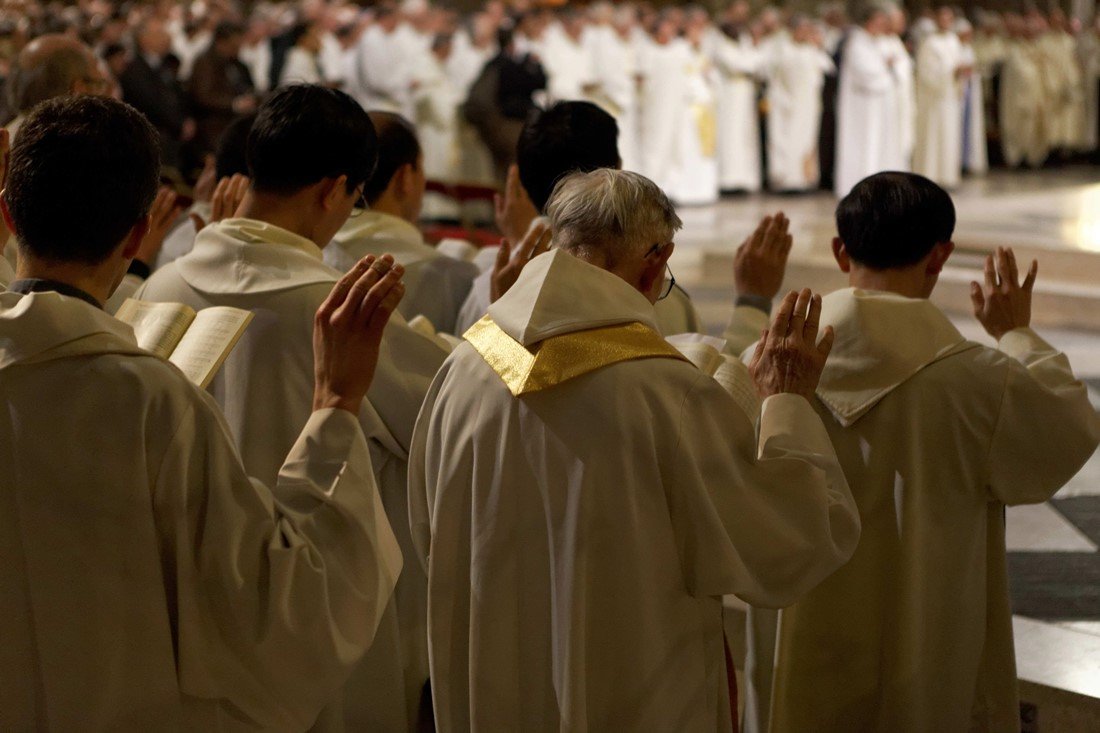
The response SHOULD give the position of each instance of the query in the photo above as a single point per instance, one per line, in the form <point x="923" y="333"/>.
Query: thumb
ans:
<point x="504" y="254"/>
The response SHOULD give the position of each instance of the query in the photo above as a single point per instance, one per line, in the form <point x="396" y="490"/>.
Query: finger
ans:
<point x="758" y="352"/>
<point x="339" y="292"/>
<point x="757" y="237"/>
<point x="825" y="346"/>
<point x="376" y="293"/>
<point x="798" y="318"/>
<point x="1013" y="271"/>
<point x="990" y="274"/>
<point x="217" y="201"/>
<point x="498" y="207"/>
<point x="1032" y="272"/>
<point x="788" y="242"/>
<point x="783" y="225"/>
<point x="530" y="241"/>
<point x="977" y="298"/>
<point x="813" y="320"/>
<point x="543" y="245"/>
<point x="782" y="321"/>
<point x="381" y="314"/>
<point x="353" y="304"/>
<point x="504" y="255"/>
<point x="1001" y="265"/>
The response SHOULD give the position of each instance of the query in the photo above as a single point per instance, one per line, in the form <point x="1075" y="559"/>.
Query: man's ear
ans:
<point x="840" y="254"/>
<point x="405" y="180"/>
<point x="133" y="239"/>
<point x="654" y="271"/>
<point x="939" y="256"/>
<point x="333" y="190"/>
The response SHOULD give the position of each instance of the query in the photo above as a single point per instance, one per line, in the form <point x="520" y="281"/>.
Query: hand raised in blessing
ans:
<point x="788" y="357"/>
<point x="1003" y="304"/>
<point x="761" y="260"/>
<point x="506" y="269"/>
<point x="226" y="201"/>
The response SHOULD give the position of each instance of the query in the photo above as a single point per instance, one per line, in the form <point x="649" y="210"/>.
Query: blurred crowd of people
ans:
<point x="706" y="103"/>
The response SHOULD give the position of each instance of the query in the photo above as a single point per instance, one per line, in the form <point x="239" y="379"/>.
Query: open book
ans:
<point x="197" y="343"/>
<point x="706" y="353"/>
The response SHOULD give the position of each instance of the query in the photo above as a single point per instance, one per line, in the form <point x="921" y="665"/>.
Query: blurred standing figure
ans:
<point x="221" y="86"/>
<point x="975" y="158"/>
<point x="303" y="60"/>
<point x="738" y="63"/>
<point x="939" y="117"/>
<point x="151" y="87"/>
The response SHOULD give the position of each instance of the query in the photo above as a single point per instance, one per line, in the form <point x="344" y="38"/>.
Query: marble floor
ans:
<point x="1051" y="215"/>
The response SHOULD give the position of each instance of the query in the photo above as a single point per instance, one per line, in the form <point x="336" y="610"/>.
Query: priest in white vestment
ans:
<point x="436" y="285"/>
<point x="975" y="158"/>
<point x="583" y="497"/>
<point x="149" y="583"/>
<point x="614" y="75"/>
<point x="867" y="114"/>
<point x="902" y="66"/>
<point x="381" y="74"/>
<point x="940" y="68"/>
<point x="796" y="76"/>
<point x="695" y="182"/>
<point x="936" y="434"/>
<point x="268" y="260"/>
<point x="568" y="60"/>
<point x="665" y="66"/>
<point x="1024" y="113"/>
<point x="738" y="63"/>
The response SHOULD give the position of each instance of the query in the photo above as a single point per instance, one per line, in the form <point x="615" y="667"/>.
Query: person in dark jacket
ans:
<point x="221" y="86"/>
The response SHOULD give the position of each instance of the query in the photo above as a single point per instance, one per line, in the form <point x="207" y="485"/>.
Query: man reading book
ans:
<point x="583" y="496"/>
<point x="436" y="284"/>
<point x="149" y="583"/>
<point x="310" y="153"/>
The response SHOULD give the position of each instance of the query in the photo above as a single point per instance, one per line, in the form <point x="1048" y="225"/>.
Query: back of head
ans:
<point x="568" y="137"/>
<point x="610" y="215"/>
<point x="231" y="156"/>
<point x="83" y="171"/>
<point x="48" y="67"/>
<point x="306" y="133"/>
<point x="397" y="147"/>
<point x="893" y="220"/>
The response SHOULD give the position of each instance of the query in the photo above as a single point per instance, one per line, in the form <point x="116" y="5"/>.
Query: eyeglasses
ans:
<point x="670" y="279"/>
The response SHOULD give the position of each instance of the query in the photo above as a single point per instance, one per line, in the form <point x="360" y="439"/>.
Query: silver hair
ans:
<point x="611" y="213"/>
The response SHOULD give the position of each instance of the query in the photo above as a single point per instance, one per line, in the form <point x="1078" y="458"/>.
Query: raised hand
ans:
<point x="506" y="269"/>
<point x="227" y="198"/>
<point x="513" y="209"/>
<point x="166" y="209"/>
<point x="761" y="260"/>
<point x="347" y="332"/>
<point x="1003" y="304"/>
<point x="788" y="357"/>
<point x="208" y="179"/>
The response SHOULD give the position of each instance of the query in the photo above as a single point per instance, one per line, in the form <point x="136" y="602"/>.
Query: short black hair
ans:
<point x="231" y="156"/>
<point x="227" y="29"/>
<point x="397" y="147"/>
<point x="305" y="133"/>
<point x="893" y="220"/>
<point x="83" y="171"/>
<point x="569" y="137"/>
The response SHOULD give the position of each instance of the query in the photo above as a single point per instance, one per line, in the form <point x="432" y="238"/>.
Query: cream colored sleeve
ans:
<point x="744" y="329"/>
<point x="766" y="519"/>
<point x="1046" y="428"/>
<point x="277" y="592"/>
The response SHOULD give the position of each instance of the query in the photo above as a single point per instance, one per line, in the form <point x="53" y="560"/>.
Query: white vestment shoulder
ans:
<point x="149" y="584"/>
<point x="266" y="387"/>
<point x="936" y="434"/>
<point x="579" y="538"/>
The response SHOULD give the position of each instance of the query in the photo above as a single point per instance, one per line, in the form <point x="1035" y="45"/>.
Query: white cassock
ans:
<point x="301" y="67"/>
<point x="436" y="285"/>
<point x="975" y="158"/>
<point x="866" y="112"/>
<point x="936" y="435"/>
<point x="258" y="60"/>
<point x="1089" y="52"/>
<point x="380" y="77"/>
<point x="149" y="584"/>
<point x="579" y="536"/>
<point x="436" y="102"/>
<point x="1023" y="114"/>
<point x="796" y="76"/>
<point x="696" y="174"/>
<point x="614" y="67"/>
<point x="568" y="65"/>
<point x="738" y="63"/>
<point x="1065" y="101"/>
<point x="266" y="388"/>
<point x="903" y="134"/>
<point x="463" y="68"/>
<point x="333" y="61"/>
<point x="939" y="127"/>
<point x="665" y="109"/>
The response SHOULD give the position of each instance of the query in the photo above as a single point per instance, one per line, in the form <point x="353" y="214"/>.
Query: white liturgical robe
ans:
<point x="936" y="435"/>
<point x="738" y="62"/>
<point x="266" y="388"/>
<point x="938" y="154"/>
<point x="867" y="113"/>
<point x="149" y="584"/>
<point x="579" y="537"/>
<point x="436" y="285"/>
<point x="796" y="76"/>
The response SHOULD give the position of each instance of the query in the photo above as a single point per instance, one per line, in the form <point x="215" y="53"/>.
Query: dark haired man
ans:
<point x="936" y="434"/>
<point x="311" y="152"/>
<point x="221" y="86"/>
<point x="138" y="560"/>
<point x="572" y="137"/>
<point x="437" y="284"/>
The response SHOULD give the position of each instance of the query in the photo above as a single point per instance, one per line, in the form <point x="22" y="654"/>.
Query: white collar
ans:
<point x="375" y="232"/>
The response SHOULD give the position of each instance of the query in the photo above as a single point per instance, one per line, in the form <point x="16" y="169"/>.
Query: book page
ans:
<point x="424" y="327"/>
<point x="157" y="326"/>
<point x="734" y="377"/>
<point x="212" y="335"/>
<point x="702" y="351"/>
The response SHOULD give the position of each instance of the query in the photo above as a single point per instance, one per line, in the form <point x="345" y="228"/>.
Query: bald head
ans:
<point x="54" y="65"/>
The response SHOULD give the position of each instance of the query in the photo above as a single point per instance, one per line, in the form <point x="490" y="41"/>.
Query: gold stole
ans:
<point x="558" y="359"/>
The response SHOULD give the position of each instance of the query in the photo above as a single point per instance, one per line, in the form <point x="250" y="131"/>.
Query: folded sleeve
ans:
<point x="766" y="519"/>
<point x="1046" y="427"/>
<point x="277" y="592"/>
